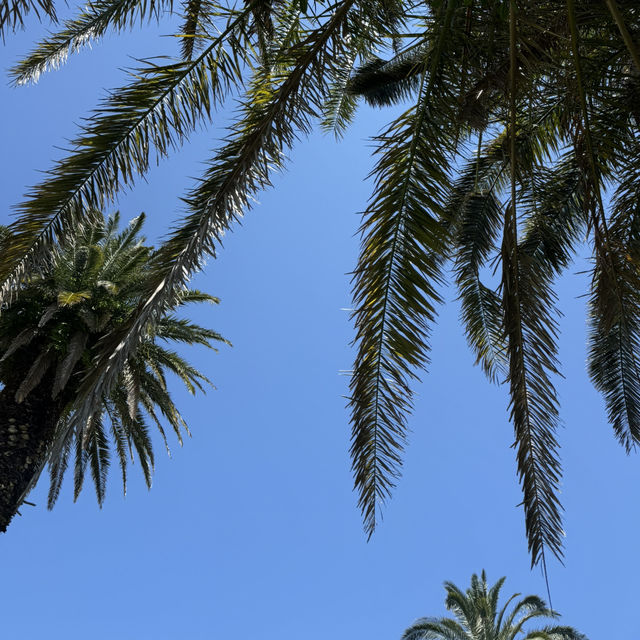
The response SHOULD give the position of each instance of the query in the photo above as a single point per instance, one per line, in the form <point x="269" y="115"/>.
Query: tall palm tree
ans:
<point x="477" y="617"/>
<point x="48" y="335"/>
<point x="519" y="140"/>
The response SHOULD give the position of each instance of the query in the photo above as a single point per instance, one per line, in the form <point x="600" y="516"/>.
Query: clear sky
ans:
<point x="252" y="528"/>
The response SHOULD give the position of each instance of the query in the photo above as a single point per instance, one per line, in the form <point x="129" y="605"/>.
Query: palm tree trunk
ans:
<point x="26" y="429"/>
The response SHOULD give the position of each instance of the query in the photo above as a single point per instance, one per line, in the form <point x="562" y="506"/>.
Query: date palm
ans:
<point x="477" y="616"/>
<point x="48" y="335"/>
<point x="519" y="140"/>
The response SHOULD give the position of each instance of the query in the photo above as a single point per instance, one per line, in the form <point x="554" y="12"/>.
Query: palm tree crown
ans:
<point x="48" y="335"/>
<point x="477" y="616"/>
<point x="520" y="119"/>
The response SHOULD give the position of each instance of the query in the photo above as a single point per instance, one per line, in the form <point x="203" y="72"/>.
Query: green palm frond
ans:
<point x="181" y="330"/>
<point x="91" y="24"/>
<point x="555" y="633"/>
<point x="195" y="295"/>
<point x="80" y="461"/>
<point x="120" y="441"/>
<point x="98" y="454"/>
<point x="475" y="211"/>
<point x="191" y="28"/>
<point x="614" y="363"/>
<point x="531" y="331"/>
<point x="57" y="469"/>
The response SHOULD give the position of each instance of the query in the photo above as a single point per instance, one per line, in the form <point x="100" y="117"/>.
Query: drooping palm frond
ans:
<point x="614" y="349"/>
<point x="531" y="330"/>
<point x="191" y="29"/>
<point x="474" y="211"/>
<point x="395" y="283"/>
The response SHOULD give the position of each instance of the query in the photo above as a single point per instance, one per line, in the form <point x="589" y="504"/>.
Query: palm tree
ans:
<point x="519" y="140"/>
<point x="477" y="617"/>
<point x="48" y="335"/>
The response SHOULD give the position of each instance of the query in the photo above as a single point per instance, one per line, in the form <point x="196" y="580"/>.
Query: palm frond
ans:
<point x="66" y="365"/>
<point x="181" y="330"/>
<point x="481" y="312"/>
<point x="385" y="82"/>
<point x="531" y="330"/>
<point x="80" y="461"/>
<point x="190" y="31"/>
<point x="119" y="438"/>
<point x="339" y="108"/>
<point x="57" y="469"/>
<point x="555" y="633"/>
<point x="98" y="457"/>
<point x="623" y="27"/>
<point x="614" y="341"/>
<point x="36" y="372"/>
<point x="434" y="629"/>
<point x="395" y="284"/>
<point x="13" y="13"/>
<point x="92" y="23"/>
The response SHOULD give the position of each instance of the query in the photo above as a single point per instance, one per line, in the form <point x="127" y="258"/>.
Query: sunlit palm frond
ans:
<point x="91" y="24"/>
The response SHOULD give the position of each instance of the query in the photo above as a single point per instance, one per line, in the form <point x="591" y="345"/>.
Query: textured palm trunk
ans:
<point x="26" y="430"/>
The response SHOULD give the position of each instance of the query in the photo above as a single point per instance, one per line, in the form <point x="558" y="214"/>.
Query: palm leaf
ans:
<point x="91" y="24"/>
<point x="395" y="284"/>
<point x="13" y="13"/>
<point x="531" y="331"/>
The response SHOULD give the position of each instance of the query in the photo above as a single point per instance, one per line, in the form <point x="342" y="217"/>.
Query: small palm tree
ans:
<point x="477" y="617"/>
<point x="48" y="335"/>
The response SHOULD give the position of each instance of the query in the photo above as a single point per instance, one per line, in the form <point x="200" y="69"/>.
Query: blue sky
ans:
<point x="252" y="527"/>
